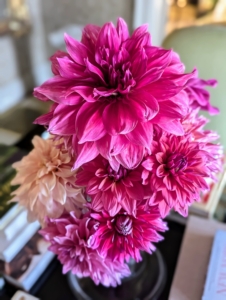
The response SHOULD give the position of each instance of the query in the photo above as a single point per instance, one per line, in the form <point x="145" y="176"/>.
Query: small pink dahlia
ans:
<point x="109" y="90"/>
<point x="198" y="94"/>
<point x="47" y="184"/>
<point x="124" y="236"/>
<point x="69" y="238"/>
<point x="178" y="170"/>
<point x="110" y="189"/>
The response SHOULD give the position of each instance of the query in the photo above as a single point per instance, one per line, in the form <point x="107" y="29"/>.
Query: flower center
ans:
<point x="124" y="224"/>
<point x="177" y="162"/>
<point x="116" y="68"/>
<point x="116" y="176"/>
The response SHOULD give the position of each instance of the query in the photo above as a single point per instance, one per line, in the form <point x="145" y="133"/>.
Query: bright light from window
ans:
<point x="170" y="2"/>
<point x="181" y="3"/>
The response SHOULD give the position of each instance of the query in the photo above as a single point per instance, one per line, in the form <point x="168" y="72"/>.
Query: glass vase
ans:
<point x="146" y="282"/>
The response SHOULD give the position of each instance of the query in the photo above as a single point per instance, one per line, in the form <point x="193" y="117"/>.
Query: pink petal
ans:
<point x="55" y="64"/>
<point x="89" y="122"/>
<point x="105" y="184"/>
<point x="85" y="92"/>
<point x="129" y="205"/>
<point x="77" y="50"/>
<point x="148" y="164"/>
<point x="122" y="29"/>
<point x="110" y="203"/>
<point x="118" y="118"/>
<point x="44" y="119"/>
<point x="39" y="95"/>
<point x="114" y="163"/>
<point x="131" y="156"/>
<point x="95" y="71"/>
<point x="59" y="90"/>
<point x="63" y="121"/>
<point x="69" y="69"/>
<point x="86" y="152"/>
<point x="161" y="172"/>
<point x="151" y="104"/>
<point x="82" y="178"/>
<point x="164" y="209"/>
<point x="149" y="76"/>
<point x="93" y="186"/>
<point x="163" y="89"/>
<point x="168" y="118"/>
<point x="162" y="59"/>
<point x="142" y="135"/>
<point x="97" y="203"/>
<point x="160" y="157"/>
<point x="139" y="66"/>
<point x="89" y="36"/>
<point x="103" y="91"/>
<point x="108" y="37"/>
<point x="140" y="31"/>
<point x="135" y="192"/>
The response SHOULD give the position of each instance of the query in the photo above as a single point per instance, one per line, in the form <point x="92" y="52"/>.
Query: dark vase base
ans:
<point x="146" y="282"/>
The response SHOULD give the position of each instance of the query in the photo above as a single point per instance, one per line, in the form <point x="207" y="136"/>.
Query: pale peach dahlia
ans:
<point x="46" y="181"/>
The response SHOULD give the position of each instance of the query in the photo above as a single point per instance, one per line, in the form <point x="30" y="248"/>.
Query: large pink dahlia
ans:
<point x="110" y="189"/>
<point x="47" y="183"/>
<point x="178" y="170"/>
<point x="124" y="236"/>
<point x="109" y="90"/>
<point x="69" y="237"/>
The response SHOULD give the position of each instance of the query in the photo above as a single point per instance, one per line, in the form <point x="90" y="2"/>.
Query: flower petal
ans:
<point x="131" y="156"/>
<point x="89" y="36"/>
<point x="142" y="135"/>
<point x="63" y="121"/>
<point x="78" y="51"/>
<point x="108" y="38"/>
<point x="86" y="152"/>
<point x="118" y="118"/>
<point x="151" y="104"/>
<point x="122" y="29"/>
<point x="89" y="122"/>
<point x="135" y="192"/>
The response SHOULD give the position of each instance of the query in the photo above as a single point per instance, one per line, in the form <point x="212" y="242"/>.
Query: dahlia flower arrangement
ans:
<point x="126" y="146"/>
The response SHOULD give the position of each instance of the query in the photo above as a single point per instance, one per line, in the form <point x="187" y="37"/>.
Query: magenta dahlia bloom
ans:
<point x="178" y="170"/>
<point x="109" y="90"/>
<point x="199" y="96"/>
<point x="124" y="236"/>
<point x="69" y="238"/>
<point x="110" y="189"/>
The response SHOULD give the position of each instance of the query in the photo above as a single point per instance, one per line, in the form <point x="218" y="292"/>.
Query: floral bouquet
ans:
<point x="126" y="146"/>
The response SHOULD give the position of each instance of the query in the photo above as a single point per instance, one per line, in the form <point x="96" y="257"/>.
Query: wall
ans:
<point x="24" y="61"/>
<point x="60" y="13"/>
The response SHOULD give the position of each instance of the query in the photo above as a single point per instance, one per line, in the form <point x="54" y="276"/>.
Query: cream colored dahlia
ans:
<point x="47" y="182"/>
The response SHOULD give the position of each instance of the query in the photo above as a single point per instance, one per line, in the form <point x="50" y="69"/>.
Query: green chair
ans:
<point x="204" y="47"/>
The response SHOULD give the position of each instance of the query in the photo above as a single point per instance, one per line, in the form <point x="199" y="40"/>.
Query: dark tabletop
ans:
<point x="52" y="285"/>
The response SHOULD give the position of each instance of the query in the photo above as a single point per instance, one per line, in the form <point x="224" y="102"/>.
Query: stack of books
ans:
<point x="24" y="253"/>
